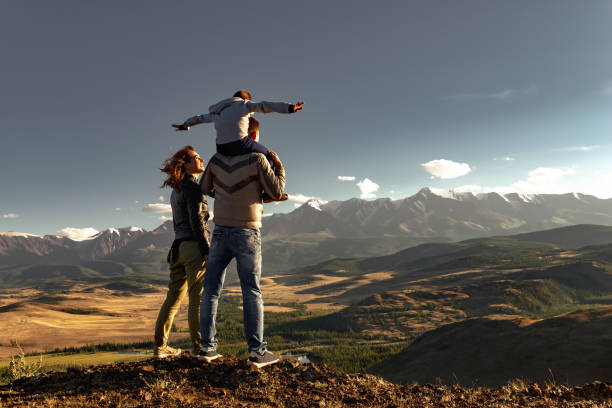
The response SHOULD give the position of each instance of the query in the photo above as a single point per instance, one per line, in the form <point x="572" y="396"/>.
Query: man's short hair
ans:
<point x="246" y="95"/>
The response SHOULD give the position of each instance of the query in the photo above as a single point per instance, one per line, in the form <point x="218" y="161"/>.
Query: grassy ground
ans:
<point x="62" y="361"/>
<point x="289" y="333"/>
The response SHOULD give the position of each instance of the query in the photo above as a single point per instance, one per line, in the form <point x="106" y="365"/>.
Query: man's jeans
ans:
<point x="244" y="244"/>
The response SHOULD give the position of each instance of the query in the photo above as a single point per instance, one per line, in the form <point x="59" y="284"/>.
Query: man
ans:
<point x="237" y="183"/>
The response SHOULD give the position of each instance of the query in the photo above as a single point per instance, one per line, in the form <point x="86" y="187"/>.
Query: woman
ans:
<point x="189" y="252"/>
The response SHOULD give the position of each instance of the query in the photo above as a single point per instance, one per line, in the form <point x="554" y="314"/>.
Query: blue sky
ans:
<point x="472" y="95"/>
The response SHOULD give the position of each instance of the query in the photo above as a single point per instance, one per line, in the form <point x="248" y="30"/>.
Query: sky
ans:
<point x="476" y="95"/>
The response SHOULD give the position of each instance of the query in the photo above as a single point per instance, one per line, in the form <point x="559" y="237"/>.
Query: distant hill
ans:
<point x="572" y="348"/>
<point x="575" y="236"/>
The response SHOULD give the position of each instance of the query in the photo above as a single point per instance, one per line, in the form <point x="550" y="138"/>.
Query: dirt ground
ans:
<point x="229" y="382"/>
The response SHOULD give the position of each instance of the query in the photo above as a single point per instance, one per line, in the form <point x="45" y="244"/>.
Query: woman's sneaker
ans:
<point x="166" y="351"/>
<point x="262" y="360"/>
<point x="208" y="356"/>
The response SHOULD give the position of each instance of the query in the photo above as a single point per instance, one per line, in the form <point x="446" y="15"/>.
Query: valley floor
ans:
<point x="40" y="321"/>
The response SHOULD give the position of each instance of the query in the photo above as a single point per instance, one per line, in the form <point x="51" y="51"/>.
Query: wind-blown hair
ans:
<point x="174" y="167"/>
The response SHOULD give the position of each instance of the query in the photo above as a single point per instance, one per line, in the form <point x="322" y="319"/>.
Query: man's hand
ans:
<point x="180" y="127"/>
<point x="274" y="158"/>
<point x="298" y="106"/>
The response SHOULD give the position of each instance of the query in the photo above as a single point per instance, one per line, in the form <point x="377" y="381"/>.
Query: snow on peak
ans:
<point x="135" y="229"/>
<point x="316" y="204"/>
<point x="577" y="196"/>
<point x="18" y="234"/>
<point x="78" y="234"/>
<point x="527" y="197"/>
<point x="450" y="194"/>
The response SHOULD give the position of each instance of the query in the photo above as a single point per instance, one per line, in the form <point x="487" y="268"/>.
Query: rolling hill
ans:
<point x="572" y="349"/>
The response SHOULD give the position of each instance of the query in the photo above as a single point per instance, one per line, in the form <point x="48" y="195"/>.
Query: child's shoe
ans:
<point x="267" y="199"/>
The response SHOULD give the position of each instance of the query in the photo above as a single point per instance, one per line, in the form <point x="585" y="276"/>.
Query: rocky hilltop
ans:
<point x="186" y="382"/>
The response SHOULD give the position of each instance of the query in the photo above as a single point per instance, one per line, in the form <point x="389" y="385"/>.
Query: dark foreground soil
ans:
<point x="185" y="382"/>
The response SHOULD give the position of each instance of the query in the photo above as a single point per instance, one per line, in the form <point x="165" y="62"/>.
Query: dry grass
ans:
<point x="86" y="315"/>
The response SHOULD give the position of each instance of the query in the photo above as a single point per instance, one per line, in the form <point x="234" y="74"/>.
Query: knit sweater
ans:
<point x="236" y="183"/>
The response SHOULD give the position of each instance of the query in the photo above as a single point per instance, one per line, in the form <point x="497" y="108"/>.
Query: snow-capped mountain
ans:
<point x="433" y="213"/>
<point x="17" y="247"/>
<point x="107" y="242"/>
<point x="429" y="215"/>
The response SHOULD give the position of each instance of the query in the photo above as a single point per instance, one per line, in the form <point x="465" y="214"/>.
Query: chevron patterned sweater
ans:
<point x="236" y="183"/>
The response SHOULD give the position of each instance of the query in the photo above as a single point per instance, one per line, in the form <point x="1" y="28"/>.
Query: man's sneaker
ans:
<point x="208" y="356"/>
<point x="166" y="351"/>
<point x="262" y="360"/>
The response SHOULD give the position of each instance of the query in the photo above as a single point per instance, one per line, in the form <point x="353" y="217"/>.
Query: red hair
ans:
<point x="174" y="167"/>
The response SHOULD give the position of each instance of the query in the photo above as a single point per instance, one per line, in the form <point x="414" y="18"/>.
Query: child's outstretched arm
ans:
<point x="278" y="107"/>
<point x="194" y="120"/>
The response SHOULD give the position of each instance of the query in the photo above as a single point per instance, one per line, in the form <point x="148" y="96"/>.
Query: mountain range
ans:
<point x="440" y="215"/>
<point x="317" y="231"/>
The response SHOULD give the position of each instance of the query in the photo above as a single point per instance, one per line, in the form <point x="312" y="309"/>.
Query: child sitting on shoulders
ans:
<point x="232" y="119"/>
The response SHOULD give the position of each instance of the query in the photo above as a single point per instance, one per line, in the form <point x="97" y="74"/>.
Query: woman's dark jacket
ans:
<point x="190" y="215"/>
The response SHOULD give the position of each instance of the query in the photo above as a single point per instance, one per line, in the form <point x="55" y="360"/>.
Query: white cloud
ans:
<point x="77" y="234"/>
<point x="346" y="178"/>
<point x="578" y="148"/>
<point x="547" y="180"/>
<point x="547" y="175"/>
<point x="164" y="218"/>
<point x="300" y="198"/>
<point x="161" y="198"/>
<point x="446" y="169"/>
<point x="117" y="209"/>
<point x="157" y="208"/>
<point x="501" y="95"/>
<point x="542" y="180"/>
<point x="506" y="158"/>
<point x="368" y="188"/>
<point x="10" y="216"/>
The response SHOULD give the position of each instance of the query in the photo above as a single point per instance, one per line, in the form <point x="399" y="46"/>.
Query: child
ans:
<point x="231" y="118"/>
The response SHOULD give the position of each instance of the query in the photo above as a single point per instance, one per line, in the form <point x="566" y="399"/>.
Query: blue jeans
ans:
<point x="244" y="244"/>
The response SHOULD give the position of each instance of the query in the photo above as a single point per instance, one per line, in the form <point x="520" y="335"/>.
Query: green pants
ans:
<point x="186" y="276"/>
